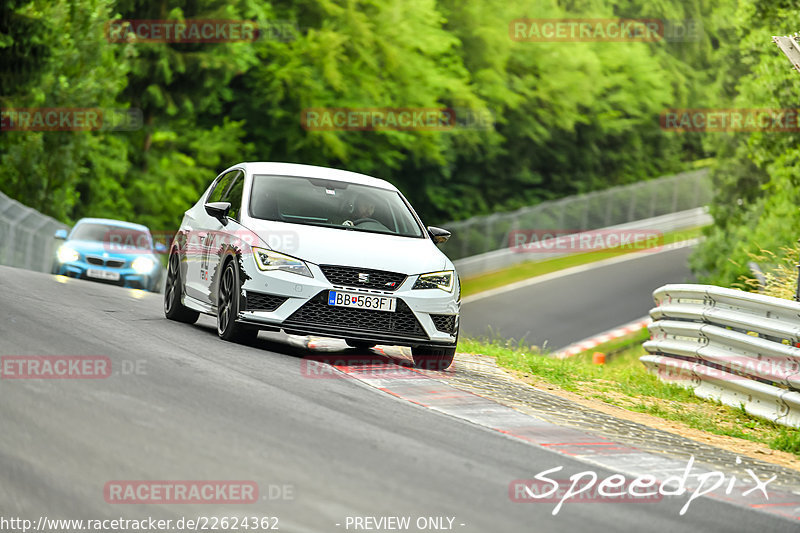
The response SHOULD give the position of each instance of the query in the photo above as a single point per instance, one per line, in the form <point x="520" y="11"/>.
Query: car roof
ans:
<point x="311" y="171"/>
<point x="112" y="222"/>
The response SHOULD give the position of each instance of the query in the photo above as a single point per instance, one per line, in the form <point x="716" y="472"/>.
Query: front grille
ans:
<point x="317" y="312"/>
<point x="363" y="277"/>
<point x="113" y="263"/>
<point x="258" y="301"/>
<point x="444" y="323"/>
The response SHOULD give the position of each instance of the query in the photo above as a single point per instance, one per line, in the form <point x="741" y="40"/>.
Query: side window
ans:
<point x="222" y="186"/>
<point x="234" y="196"/>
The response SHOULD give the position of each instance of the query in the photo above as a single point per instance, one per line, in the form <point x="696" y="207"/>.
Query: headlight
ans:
<point x="269" y="260"/>
<point x="143" y="265"/>
<point x="436" y="280"/>
<point x="67" y="255"/>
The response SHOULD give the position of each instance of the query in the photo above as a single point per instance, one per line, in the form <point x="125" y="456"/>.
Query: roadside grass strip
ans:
<point x="529" y="269"/>
<point x="623" y="381"/>
<point x="461" y="391"/>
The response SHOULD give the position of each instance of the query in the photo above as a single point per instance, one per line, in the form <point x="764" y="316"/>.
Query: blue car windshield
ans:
<point x="113" y="235"/>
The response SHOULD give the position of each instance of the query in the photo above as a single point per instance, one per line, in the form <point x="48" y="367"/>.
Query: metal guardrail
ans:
<point x="26" y="236"/>
<point x="731" y="346"/>
<point x="594" y="210"/>
<point x="499" y="259"/>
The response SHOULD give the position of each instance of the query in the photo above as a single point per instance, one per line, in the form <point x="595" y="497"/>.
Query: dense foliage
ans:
<point x="757" y="175"/>
<point x="569" y="117"/>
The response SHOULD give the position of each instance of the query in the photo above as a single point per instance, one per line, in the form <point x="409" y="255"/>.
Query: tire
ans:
<point x="433" y="357"/>
<point x="173" y="308"/>
<point x="157" y="282"/>
<point x="228" y="300"/>
<point x="360" y="345"/>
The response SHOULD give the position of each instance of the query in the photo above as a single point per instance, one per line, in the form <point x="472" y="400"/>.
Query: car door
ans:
<point x="224" y="236"/>
<point x="202" y="231"/>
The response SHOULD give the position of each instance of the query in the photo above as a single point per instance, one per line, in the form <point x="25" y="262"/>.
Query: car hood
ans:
<point x="114" y="251"/>
<point x="332" y="246"/>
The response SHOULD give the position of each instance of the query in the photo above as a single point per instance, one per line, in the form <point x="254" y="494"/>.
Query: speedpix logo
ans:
<point x="587" y="486"/>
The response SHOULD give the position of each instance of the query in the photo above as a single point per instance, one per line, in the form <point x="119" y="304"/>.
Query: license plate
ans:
<point x="361" y="301"/>
<point x="103" y="274"/>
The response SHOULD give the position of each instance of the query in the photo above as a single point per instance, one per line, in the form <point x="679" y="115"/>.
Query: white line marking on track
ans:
<point x="577" y="270"/>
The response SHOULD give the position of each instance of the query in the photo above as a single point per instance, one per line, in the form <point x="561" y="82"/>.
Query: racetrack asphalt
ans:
<point x="569" y="308"/>
<point x="181" y="404"/>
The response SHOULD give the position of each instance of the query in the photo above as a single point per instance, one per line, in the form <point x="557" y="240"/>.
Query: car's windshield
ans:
<point x="113" y="235"/>
<point x="334" y="204"/>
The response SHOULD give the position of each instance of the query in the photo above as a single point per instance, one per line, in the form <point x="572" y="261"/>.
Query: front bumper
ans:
<point x="298" y="305"/>
<point x="128" y="277"/>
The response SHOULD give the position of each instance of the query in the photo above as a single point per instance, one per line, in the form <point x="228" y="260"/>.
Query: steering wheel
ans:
<point x="362" y="220"/>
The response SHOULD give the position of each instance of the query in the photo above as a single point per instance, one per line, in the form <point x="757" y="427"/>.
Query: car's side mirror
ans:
<point x="438" y="235"/>
<point x="61" y="234"/>
<point x="219" y="210"/>
<point x="161" y="248"/>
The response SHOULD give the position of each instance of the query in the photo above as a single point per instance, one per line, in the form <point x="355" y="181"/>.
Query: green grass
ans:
<point x="623" y="381"/>
<point x="531" y="269"/>
<point x="787" y="440"/>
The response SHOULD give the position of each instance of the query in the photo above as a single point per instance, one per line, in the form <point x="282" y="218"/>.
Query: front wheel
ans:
<point x="173" y="308"/>
<point x="433" y="357"/>
<point x="228" y="298"/>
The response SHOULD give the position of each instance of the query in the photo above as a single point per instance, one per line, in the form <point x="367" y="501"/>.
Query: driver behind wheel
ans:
<point x="363" y="207"/>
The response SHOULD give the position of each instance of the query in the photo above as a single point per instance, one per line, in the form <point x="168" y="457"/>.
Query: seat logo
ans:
<point x="363" y="277"/>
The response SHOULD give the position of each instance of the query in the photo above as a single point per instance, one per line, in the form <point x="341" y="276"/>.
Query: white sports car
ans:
<point x="313" y="250"/>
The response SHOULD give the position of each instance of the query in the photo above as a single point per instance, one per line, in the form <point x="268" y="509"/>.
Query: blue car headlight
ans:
<point x="436" y="280"/>
<point x="143" y="265"/>
<point x="67" y="254"/>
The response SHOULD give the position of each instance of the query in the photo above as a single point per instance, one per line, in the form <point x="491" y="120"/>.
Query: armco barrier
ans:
<point x="26" y="236"/>
<point x="732" y="346"/>
<point x="499" y="259"/>
<point x="583" y="212"/>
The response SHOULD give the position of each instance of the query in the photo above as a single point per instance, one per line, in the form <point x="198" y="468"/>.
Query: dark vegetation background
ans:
<point x="569" y="117"/>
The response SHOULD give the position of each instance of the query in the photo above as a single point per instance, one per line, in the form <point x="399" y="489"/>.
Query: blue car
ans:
<point x="110" y="251"/>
